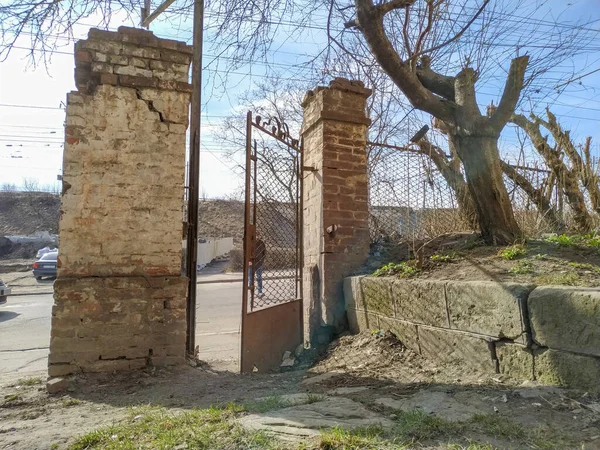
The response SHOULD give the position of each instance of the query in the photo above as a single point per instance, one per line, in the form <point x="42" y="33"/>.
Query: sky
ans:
<point x="32" y="98"/>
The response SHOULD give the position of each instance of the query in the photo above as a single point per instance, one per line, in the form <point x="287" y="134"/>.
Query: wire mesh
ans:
<point x="409" y="199"/>
<point x="274" y="271"/>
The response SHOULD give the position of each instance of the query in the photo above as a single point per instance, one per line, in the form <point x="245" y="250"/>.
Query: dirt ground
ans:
<point x="555" y="260"/>
<point x="373" y="369"/>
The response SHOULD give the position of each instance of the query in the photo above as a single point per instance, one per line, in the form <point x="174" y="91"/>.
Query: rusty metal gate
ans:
<point x="272" y="290"/>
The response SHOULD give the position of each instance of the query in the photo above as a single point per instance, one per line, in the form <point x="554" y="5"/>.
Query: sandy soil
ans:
<point x="365" y="368"/>
<point x="543" y="262"/>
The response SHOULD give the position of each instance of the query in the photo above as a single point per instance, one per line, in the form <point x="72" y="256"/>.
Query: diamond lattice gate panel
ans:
<point x="271" y="299"/>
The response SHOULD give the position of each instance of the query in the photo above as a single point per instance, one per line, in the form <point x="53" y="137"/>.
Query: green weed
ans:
<point x="29" y="381"/>
<point x="521" y="268"/>
<point x="585" y="266"/>
<point x="565" y="279"/>
<point x="404" y="269"/>
<point x="157" y="428"/>
<point x="563" y="240"/>
<point x="513" y="252"/>
<point x="445" y="257"/>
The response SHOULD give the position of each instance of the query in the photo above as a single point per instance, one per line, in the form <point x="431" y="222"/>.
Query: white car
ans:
<point x="4" y="293"/>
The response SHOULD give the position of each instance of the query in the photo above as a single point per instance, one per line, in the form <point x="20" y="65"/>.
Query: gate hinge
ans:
<point x="310" y="169"/>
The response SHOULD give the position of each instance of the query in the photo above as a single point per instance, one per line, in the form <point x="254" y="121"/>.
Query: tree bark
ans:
<point x="450" y="170"/>
<point x="483" y="171"/>
<point x="475" y="135"/>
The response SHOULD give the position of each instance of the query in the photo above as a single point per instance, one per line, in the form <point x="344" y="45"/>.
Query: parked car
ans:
<point x="45" y="266"/>
<point x="4" y="292"/>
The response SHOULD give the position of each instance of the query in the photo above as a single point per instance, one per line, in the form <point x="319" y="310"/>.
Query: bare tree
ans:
<point x="437" y="53"/>
<point x="573" y="176"/>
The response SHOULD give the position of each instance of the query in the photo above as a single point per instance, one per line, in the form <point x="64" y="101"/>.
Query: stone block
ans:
<point x="515" y="361"/>
<point x="453" y="347"/>
<point x="377" y="295"/>
<point x="353" y="293"/>
<point x="490" y="308"/>
<point x="362" y="321"/>
<point x="566" y="318"/>
<point x="567" y="369"/>
<point x="420" y="302"/>
<point x="56" y="385"/>
<point x="60" y="370"/>
<point x="406" y="332"/>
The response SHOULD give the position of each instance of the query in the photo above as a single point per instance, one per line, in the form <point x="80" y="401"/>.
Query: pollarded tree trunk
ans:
<point x="483" y="173"/>
<point x="449" y="168"/>
<point x="452" y="100"/>
<point x="567" y="179"/>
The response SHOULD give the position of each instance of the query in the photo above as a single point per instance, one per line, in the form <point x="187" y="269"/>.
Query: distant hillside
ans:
<point x="221" y="218"/>
<point x="28" y="212"/>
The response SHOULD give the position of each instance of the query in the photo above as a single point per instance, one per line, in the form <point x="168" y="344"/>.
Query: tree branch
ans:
<point x="511" y="94"/>
<point x="441" y="85"/>
<point x="384" y="8"/>
<point x="370" y="20"/>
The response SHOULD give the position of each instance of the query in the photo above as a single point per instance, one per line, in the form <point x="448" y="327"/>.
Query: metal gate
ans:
<point x="272" y="290"/>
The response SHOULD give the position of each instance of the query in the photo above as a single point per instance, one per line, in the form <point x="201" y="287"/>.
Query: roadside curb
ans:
<point x="18" y="294"/>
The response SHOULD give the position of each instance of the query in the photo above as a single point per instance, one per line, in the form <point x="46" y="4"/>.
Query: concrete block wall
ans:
<point x="336" y="233"/>
<point x="546" y="333"/>
<point x="119" y="297"/>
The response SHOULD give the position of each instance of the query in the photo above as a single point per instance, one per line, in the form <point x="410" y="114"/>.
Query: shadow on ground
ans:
<point x="495" y="412"/>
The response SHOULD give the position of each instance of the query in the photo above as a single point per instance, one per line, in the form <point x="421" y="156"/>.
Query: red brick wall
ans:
<point x="336" y="234"/>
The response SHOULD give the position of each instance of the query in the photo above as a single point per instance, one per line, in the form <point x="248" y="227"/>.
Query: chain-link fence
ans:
<point x="410" y="199"/>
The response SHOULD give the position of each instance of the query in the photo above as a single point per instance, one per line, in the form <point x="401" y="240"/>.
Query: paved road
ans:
<point x="25" y="328"/>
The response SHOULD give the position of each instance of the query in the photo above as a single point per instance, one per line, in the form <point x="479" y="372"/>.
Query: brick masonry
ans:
<point x="120" y="299"/>
<point x="547" y="333"/>
<point x="336" y="234"/>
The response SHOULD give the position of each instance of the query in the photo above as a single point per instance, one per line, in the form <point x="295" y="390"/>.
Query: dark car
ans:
<point x="4" y="292"/>
<point x="45" y="266"/>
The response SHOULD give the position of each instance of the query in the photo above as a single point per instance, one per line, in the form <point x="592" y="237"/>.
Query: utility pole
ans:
<point x="191" y="259"/>
<point x="194" y="177"/>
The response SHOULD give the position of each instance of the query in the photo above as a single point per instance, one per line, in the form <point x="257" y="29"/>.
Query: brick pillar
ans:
<point x="120" y="299"/>
<point x="336" y="232"/>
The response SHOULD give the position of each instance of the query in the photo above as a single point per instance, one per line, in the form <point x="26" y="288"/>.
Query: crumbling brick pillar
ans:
<point x="336" y="232"/>
<point x="120" y="297"/>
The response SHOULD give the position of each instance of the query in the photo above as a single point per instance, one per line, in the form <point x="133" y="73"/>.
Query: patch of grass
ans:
<point x="521" y="268"/>
<point x="29" y="381"/>
<point x="410" y="428"/>
<point x="31" y="415"/>
<point x="156" y="428"/>
<point x="585" y="266"/>
<point x="369" y="438"/>
<point x="314" y="398"/>
<point x="540" y="257"/>
<point x="404" y="269"/>
<point x="498" y="426"/>
<point x="563" y="240"/>
<point x="266" y="404"/>
<point x="564" y="279"/>
<point x="12" y="398"/>
<point x="416" y="425"/>
<point x="54" y="446"/>
<point x="471" y="446"/>
<point x="71" y="402"/>
<point x="539" y="438"/>
<point x="445" y="257"/>
<point x="592" y="240"/>
<point x="513" y="252"/>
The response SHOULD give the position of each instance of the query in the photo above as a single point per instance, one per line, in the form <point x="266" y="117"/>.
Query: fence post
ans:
<point x="336" y="209"/>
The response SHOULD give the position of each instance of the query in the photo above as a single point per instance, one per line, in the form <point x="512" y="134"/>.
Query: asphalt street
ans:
<point x="25" y="328"/>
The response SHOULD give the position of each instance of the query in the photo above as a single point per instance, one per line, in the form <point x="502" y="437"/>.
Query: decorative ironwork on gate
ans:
<point x="272" y="304"/>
